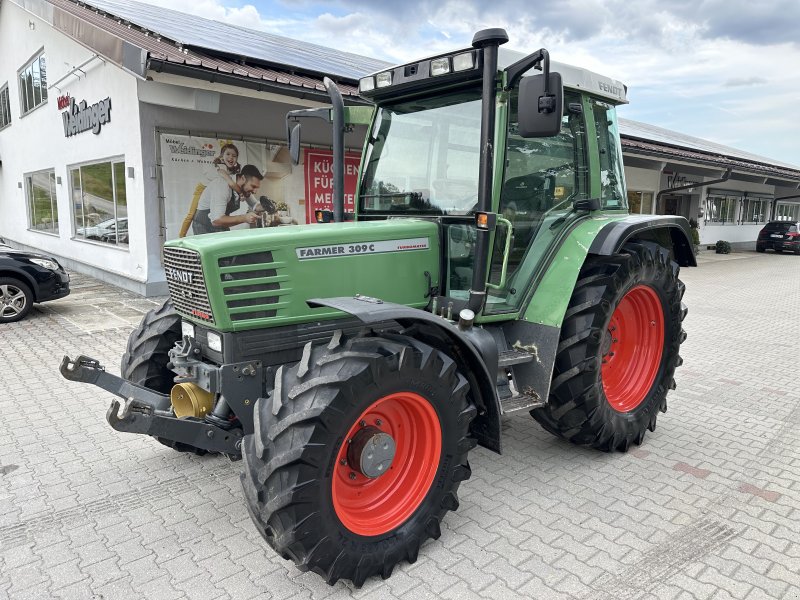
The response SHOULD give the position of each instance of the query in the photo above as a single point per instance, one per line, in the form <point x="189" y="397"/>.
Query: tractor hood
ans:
<point x="257" y="278"/>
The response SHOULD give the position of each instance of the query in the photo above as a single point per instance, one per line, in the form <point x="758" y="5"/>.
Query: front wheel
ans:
<point x="357" y="455"/>
<point x="146" y="358"/>
<point x="16" y="300"/>
<point x="618" y="350"/>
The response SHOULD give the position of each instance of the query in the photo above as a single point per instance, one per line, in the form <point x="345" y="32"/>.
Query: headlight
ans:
<point x="187" y="329"/>
<point x="440" y="66"/>
<point x="215" y="341"/>
<point x="47" y="264"/>
<point x="383" y="79"/>
<point x="462" y="62"/>
<point x="366" y="84"/>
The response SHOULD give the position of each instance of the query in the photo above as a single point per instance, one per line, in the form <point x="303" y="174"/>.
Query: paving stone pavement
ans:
<point x="708" y="507"/>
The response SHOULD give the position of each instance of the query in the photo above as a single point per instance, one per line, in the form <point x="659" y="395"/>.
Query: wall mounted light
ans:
<point x="31" y="25"/>
<point x="130" y="172"/>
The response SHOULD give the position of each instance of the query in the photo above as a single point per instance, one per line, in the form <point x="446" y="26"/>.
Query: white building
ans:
<point x="98" y="195"/>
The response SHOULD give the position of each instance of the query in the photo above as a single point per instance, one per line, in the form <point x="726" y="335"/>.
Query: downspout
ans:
<point x="690" y="186"/>
<point x="489" y="40"/>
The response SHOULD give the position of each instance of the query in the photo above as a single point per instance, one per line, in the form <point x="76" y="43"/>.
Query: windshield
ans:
<point x="423" y="157"/>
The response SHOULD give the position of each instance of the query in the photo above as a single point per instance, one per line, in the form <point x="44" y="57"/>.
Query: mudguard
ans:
<point x="475" y="347"/>
<point x="613" y="236"/>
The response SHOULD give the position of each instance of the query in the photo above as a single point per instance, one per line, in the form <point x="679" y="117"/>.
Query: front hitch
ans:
<point x="148" y="412"/>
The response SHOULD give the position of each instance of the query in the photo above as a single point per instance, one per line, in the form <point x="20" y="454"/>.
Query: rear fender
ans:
<point x="673" y="233"/>
<point x="474" y="350"/>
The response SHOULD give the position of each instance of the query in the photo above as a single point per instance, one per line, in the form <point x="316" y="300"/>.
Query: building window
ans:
<point x="5" y="107"/>
<point x="721" y="209"/>
<point x="33" y="84"/>
<point x="754" y="210"/>
<point x="99" y="201"/>
<point x="640" y="203"/>
<point x="787" y="211"/>
<point x="40" y="189"/>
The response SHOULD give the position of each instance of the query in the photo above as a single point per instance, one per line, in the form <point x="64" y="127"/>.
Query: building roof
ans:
<point x="141" y="37"/>
<point x="240" y="43"/>
<point x="644" y="138"/>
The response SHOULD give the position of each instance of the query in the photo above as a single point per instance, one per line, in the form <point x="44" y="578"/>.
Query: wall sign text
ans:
<point x="81" y="117"/>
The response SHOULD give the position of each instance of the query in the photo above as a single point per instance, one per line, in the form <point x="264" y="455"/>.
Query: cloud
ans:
<point x="744" y="81"/>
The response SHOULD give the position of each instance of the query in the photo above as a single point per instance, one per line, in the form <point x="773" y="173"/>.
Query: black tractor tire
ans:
<point x="22" y="303"/>
<point x="297" y="480"/>
<point x="760" y="248"/>
<point x="579" y="409"/>
<point x="146" y="358"/>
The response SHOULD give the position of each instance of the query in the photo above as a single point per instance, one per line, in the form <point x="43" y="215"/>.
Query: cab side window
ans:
<point x="612" y="177"/>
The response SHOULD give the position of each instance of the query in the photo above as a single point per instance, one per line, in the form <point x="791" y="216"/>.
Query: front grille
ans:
<point x="187" y="286"/>
<point x="249" y="286"/>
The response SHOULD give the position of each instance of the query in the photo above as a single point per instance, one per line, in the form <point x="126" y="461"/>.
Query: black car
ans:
<point x="779" y="236"/>
<point x="25" y="278"/>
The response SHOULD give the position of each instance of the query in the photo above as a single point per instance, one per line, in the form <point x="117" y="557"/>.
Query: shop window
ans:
<point x="5" y="107"/>
<point x="40" y="189"/>
<point x="721" y="209"/>
<point x="640" y="203"/>
<point x="754" y="210"/>
<point x="612" y="178"/>
<point x="33" y="84"/>
<point x="787" y="211"/>
<point x="99" y="202"/>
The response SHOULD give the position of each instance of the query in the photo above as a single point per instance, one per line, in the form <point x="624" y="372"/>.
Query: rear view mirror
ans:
<point x="539" y="111"/>
<point x="294" y="144"/>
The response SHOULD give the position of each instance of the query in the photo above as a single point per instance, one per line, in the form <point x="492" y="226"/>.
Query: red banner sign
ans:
<point x="319" y="181"/>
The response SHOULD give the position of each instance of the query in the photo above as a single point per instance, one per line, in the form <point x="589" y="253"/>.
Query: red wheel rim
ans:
<point x="376" y="506"/>
<point x="632" y="348"/>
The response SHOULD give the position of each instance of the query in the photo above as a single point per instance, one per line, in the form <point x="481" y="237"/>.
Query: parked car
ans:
<point x="105" y="229"/>
<point x="26" y="278"/>
<point x="779" y="236"/>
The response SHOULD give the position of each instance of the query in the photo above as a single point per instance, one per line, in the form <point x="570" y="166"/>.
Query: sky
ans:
<point x="723" y="70"/>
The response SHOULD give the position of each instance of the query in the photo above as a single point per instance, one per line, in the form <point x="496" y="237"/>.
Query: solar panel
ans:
<point x="190" y="30"/>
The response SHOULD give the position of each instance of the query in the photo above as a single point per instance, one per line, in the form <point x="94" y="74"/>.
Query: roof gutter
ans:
<point x="164" y="66"/>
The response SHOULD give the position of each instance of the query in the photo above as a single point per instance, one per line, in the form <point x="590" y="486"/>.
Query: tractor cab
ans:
<point x="497" y="148"/>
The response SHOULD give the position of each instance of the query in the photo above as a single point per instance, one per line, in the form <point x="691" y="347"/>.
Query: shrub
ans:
<point x="696" y="237"/>
<point x="723" y="247"/>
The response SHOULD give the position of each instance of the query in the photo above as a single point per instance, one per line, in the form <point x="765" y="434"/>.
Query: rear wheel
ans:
<point x="618" y="349"/>
<point x="358" y="455"/>
<point x="147" y="356"/>
<point x="16" y="300"/>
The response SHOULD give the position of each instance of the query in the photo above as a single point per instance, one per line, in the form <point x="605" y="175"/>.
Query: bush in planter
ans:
<point x="723" y="247"/>
<point x="696" y="239"/>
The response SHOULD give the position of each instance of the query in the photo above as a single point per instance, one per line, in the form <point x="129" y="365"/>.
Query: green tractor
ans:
<point x="491" y="266"/>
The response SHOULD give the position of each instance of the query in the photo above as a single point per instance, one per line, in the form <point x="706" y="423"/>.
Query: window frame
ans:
<point x="5" y="107"/>
<point x="733" y="211"/>
<point x="22" y="81"/>
<point x="28" y="187"/>
<point x="112" y="161"/>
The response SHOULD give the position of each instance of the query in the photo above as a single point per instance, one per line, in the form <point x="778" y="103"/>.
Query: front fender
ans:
<point x="475" y="350"/>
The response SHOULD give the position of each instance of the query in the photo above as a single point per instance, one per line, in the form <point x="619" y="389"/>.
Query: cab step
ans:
<point x="520" y="402"/>
<point x="514" y="357"/>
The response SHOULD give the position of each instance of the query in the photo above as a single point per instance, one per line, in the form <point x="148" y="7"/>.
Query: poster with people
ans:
<point x="218" y="184"/>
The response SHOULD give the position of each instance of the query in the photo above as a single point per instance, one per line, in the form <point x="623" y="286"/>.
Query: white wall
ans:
<point x="36" y="142"/>
<point x="642" y="180"/>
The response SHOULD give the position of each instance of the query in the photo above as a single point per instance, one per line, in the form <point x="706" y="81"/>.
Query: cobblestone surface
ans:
<point x="708" y="507"/>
